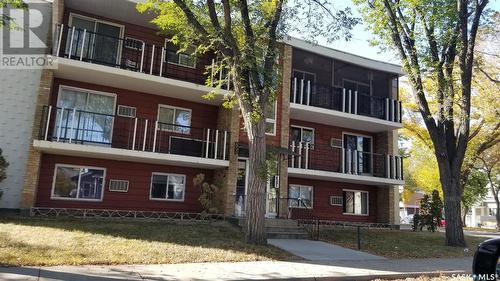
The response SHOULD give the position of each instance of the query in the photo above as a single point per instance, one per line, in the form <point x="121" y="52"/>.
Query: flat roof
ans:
<point x="343" y="56"/>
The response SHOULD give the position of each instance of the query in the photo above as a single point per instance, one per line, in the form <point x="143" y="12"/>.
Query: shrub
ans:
<point x="3" y="169"/>
<point x="430" y="213"/>
<point x="208" y="198"/>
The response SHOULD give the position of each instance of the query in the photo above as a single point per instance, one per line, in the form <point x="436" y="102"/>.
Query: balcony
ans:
<point x="132" y="64"/>
<point x="343" y="108"/>
<point x="89" y="134"/>
<point x="323" y="162"/>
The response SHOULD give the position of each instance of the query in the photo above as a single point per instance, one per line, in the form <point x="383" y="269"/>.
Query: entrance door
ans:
<point x="360" y="148"/>
<point x="102" y="41"/>
<point x="272" y="197"/>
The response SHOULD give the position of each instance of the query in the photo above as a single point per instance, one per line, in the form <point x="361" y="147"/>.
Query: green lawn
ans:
<point x="400" y="244"/>
<point x="40" y="241"/>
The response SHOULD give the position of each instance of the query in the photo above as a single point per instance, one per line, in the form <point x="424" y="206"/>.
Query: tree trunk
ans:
<point x="464" y="216"/>
<point x="450" y="181"/>
<point x="497" y="215"/>
<point x="257" y="181"/>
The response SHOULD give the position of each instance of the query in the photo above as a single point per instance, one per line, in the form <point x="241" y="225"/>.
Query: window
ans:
<point x="302" y="192"/>
<point x="92" y="120"/>
<point x="302" y="135"/>
<point x="167" y="187"/>
<point x="271" y="119"/>
<point x="174" y="119"/>
<point x="355" y="202"/>
<point x="181" y="59"/>
<point x="78" y="183"/>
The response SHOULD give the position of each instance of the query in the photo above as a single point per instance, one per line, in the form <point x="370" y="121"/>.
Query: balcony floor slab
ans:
<point x="103" y="152"/>
<point x="340" y="177"/>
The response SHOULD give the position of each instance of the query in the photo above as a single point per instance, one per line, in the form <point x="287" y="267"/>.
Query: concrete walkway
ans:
<point x="320" y="251"/>
<point x="264" y="270"/>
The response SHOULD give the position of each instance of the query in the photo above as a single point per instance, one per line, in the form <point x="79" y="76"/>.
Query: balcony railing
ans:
<point x="91" y="128"/>
<point x="340" y="160"/>
<point x="340" y="99"/>
<point x="129" y="54"/>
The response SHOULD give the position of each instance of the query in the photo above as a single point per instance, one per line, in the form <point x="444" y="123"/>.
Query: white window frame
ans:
<point x="301" y="186"/>
<point x="173" y="121"/>
<point x="367" y="202"/>
<point x="168" y="175"/>
<point x="179" y="58"/>
<point x="121" y="26"/>
<point x="52" y="195"/>
<point x="88" y="91"/>
<point x="301" y="133"/>
<point x="273" y="121"/>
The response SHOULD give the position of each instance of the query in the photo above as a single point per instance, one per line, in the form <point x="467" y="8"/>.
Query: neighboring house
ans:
<point x="122" y="125"/>
<point x="409" y="205"/>
<point x="483" y="214"/>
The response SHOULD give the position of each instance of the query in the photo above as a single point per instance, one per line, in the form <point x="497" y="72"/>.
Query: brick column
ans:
<point x="286" y="76"/>
<point x="34" y="156"/>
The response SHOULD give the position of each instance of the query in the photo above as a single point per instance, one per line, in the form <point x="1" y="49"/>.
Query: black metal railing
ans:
<point x="341" y="160"/>
<point x="129" y="54"/>
<point x="91" y="128"/>
<point x="306" y="92"/>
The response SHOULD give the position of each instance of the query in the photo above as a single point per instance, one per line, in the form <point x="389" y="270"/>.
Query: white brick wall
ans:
<point x="18" y="91"/>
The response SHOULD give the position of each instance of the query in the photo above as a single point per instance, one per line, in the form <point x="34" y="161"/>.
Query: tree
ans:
<point x="3" y="169"/>
<point x="244" y="36"/>
<point x="490" y="164"/>
<point x="430" y="213"/>
<point x="6" y="19"/>
<point x="435" y="41"/>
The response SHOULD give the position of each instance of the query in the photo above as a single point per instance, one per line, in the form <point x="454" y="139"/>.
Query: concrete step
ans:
<point x="287" y="235"/>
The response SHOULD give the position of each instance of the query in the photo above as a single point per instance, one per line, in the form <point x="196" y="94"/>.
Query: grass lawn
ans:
<point x="481" y="229"/>
<point x="41" y="241"/>
<point x="400" y="244"/>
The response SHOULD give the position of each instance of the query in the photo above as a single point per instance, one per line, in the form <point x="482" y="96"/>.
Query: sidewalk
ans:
<point x="264" y="270"/>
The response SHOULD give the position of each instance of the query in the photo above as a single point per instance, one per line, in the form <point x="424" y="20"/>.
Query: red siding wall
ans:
<point x="151" y="36"/>
<point x="322" y="190"/>
<point x="202" y="115"/>
<point x="139" y="177"/>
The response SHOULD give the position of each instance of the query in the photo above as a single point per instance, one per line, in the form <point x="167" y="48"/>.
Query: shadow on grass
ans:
<point x="215" y="235"/>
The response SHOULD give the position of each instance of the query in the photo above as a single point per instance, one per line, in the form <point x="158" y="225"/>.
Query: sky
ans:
<point x="359" y="44"/>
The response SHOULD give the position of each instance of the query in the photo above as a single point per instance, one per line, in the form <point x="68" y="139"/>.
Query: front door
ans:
<point x="358" y="151"/>
<point x="240" y="205"/>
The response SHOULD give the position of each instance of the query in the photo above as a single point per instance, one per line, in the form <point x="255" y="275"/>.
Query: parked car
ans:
<point x="486" y="265"/>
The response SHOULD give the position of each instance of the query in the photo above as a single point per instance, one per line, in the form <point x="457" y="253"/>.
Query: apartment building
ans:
<point x="122" y="125"/>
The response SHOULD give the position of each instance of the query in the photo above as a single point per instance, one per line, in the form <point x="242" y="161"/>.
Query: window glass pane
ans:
<point x="159" y="187"/>
<point x="182" y="118"/>
<point x="66" y="185"/>
<point x="364" y="203"/>
<point x="307" y="135"/>
<point x="72" y="99"/>
<point x="270" y="128"/>
<point x="306" y="195"/>
<point x="91" y="181"/>
<point x="349" y="202"/>
<point x="271" y="114"/>
<point x="175" y="187"/>
<point x="294" y="193"/>
<point x="102" y="104"/>
<point x="186" y="60"/>
<point x="357" y="202"/>
<point x="166" y="117"/>
<point x="296" y="135"/>
<point x="172" y="56"/>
